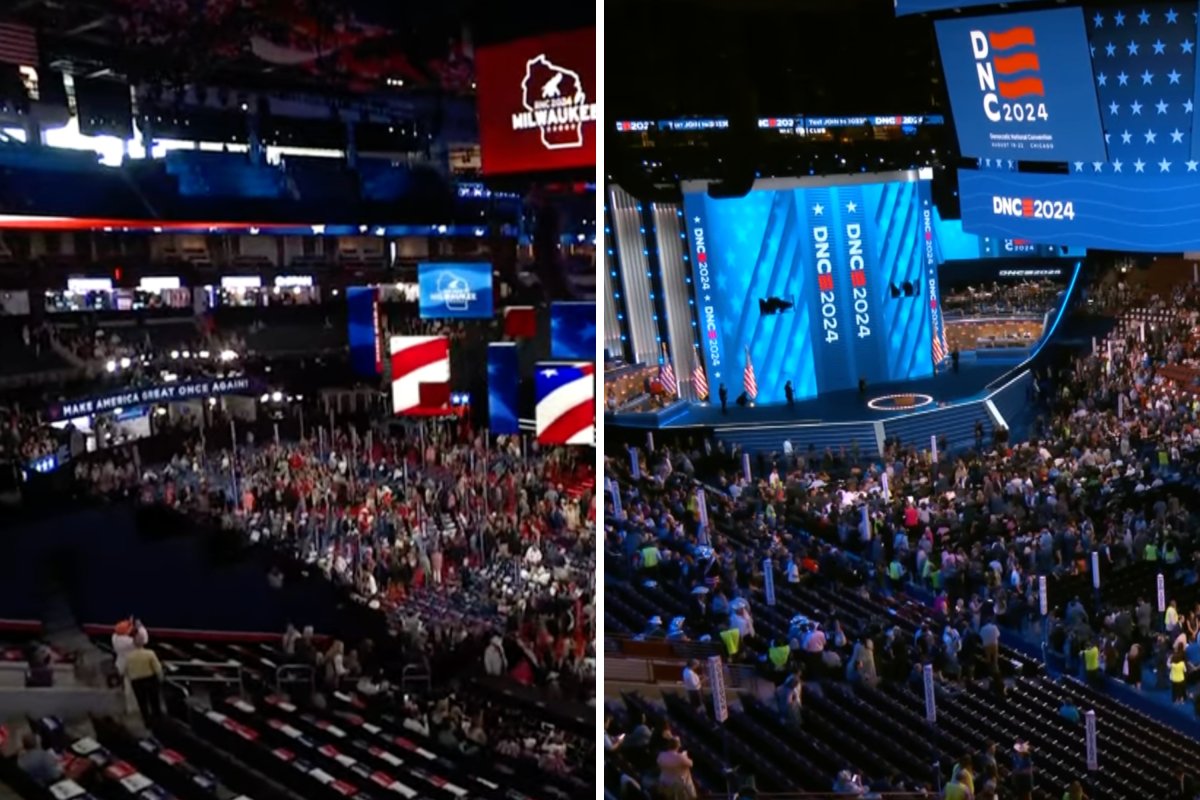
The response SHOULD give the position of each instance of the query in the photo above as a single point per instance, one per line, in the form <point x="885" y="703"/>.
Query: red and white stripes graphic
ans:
<point x="18" y="45"/>
<point x="567" y="413"/>
<point x="418" y="360"/>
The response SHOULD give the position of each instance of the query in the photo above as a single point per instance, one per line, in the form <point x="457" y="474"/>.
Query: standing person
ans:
<point x="1132" y="667"/>
<point x="723" y="393"/>
<point x="990" y="636"/>
<point x="1091" y="663"/>
<point x="145" y="674"/>
<point x="675" y="772"/>
<point x="693" y="684"/>
<point x="1022" y="771"/>
<point x="1178" y="670"/>
<point x="790" y="394"/>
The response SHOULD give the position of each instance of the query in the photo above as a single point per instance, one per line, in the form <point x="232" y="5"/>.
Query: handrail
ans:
<point x="171" y="683"/>
<point x="416" y="673"/>
<point x="299" y="669"/>
<point x="238" y="677"/>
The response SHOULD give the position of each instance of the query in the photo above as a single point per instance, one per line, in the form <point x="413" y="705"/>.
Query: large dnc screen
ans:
<point x="820" y="283"/>
<point x="1021" y="86"/>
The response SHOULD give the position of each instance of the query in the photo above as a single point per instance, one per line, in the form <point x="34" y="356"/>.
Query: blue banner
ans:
<point x="1083" y="210"/>
<point x="952" y="243"/>
<point x="824" y="284"/>
<point x="1021" y="86"/>
<point x="503" y="382"/>
<point x="113" y="400"/>
<point x="366" y="347"/>
<point x="459" y="290"/>
<point x="904" y="7"/>
<point x="573" y="330"/>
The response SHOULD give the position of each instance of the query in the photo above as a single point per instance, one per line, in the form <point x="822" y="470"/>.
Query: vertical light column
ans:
<point x="614" y="314"/>
<point x="676" y="279"/>
<point x="625" y="214"/>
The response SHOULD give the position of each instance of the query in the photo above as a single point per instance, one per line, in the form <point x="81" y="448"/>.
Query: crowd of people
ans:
<point x="1108" y="467"/>
<point x="1025" y="297"/>
<point x="458" y="539"/>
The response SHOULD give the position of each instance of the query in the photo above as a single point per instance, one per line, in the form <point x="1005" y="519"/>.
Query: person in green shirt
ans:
<point x="1091" y="662"/>
<point x="957" y="789"/>
<point x="1178" y="670"/>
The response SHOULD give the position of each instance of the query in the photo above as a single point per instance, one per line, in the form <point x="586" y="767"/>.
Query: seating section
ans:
<point x="357" y="746"/>
<point x="202" y="174"/>
<point x="881" y="731"/>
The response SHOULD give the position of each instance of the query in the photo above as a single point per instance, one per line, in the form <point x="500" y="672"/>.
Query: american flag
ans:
<point x="1144" y="64"/>
<point x="666" y="375"/>
<point x="749" y="384"/>
<point x="18" y="45"/>
<point x="699" y="379"/>
<point x="939" y="347"/>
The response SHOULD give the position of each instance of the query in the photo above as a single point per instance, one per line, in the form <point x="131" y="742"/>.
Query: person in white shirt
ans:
<point x="494" y="660"/>
<point x="692" y="684"/>
<point x="742" y="620"/>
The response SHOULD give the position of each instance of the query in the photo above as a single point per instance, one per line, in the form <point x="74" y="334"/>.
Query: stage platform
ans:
<point x="950" y="404"/>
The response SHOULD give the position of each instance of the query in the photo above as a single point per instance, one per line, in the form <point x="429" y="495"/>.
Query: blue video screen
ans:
<point x="952" y="242"/>
<point x="456" y="290"/>
<point x="818" y="284"/>
<point x="1083" y="210"/>
<point x="366" y="349"/>
<point x="904" y="7"/>
<point x="573" y="330"/>
<point x="1021" y="86"/>
<point x="504" y="377"/>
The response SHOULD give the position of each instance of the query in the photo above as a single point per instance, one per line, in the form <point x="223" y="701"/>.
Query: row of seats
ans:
<point x="356" y="747"/>
<point x="882" y="731"/>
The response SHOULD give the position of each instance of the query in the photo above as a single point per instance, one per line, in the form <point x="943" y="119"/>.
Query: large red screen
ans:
<point x="537" y="103"/>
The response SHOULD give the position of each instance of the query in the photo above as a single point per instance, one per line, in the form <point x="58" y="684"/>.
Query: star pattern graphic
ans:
<point x="1144" y="66"/>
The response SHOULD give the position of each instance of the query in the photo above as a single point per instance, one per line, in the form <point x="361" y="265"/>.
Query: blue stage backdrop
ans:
<point x="1021" y="86"/>
<point x="456" y="289"/>
<point x="573" y="330"/>
<point x="366" y="349"/>
<point x="504" y="376"/>
<point x="854" y="260"/>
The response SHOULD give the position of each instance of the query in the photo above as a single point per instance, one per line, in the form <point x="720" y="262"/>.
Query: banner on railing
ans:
<point x="614" y="491"/>
<point x="716" y="679"/>
<point x="769" y="580"/>
<point x="1089" y="722"/>
<point x="930" y="695"/>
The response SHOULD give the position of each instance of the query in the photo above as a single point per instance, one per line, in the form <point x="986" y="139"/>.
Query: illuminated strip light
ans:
<point x="22" y="221"/>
